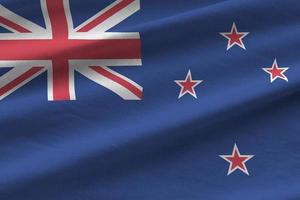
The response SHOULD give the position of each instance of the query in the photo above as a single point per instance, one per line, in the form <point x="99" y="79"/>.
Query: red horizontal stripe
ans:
<point x="136" y="91"/>
<point x="69" y="49"/>
<point x="19" y="80"/>
<point x="105" y="15"/>
<point x="13" y="25"/>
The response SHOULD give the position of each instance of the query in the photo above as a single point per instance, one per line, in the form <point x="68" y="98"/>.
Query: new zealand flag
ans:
<point x="149" y="100"/>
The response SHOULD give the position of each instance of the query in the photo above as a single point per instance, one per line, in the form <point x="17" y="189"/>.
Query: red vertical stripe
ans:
<point x="60" y="80"/>
<point x="58" y="19"/>
<point x="60" y="64"/>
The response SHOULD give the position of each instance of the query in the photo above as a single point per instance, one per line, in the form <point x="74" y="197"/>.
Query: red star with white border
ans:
<point x="237" y="161"/>
<point x="188" y="85"/>
<point x="235" y="37"/>
<point x="276" y="72"/>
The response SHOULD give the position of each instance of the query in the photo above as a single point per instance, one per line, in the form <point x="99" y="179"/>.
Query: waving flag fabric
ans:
<point x="140" y="99"/>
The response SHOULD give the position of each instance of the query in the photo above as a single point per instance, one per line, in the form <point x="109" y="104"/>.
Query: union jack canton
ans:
<point x="60" y="50"/>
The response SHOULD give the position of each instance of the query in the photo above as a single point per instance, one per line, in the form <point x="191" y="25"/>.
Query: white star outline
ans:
<point x="230" y="170"/>
<point x="189" y="75"/>
<point x="275" y="65"/>
<point x="242" y="45"/>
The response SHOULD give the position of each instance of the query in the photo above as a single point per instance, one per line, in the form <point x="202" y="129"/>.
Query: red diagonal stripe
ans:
<point x="13" y="25"/>
<point x="136" y="91"/>
<point x="19" y="80"/>
<point x="105" y="15"/>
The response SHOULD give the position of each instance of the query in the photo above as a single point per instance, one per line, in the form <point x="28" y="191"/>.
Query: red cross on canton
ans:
<point x="60" y="50"/>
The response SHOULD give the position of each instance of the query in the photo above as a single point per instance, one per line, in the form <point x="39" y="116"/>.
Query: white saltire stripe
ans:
<point x="12" y="75"/>
<point x="21" y="21"/>
<point x="108" y="83"/>
<point x="115" y="19"/>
